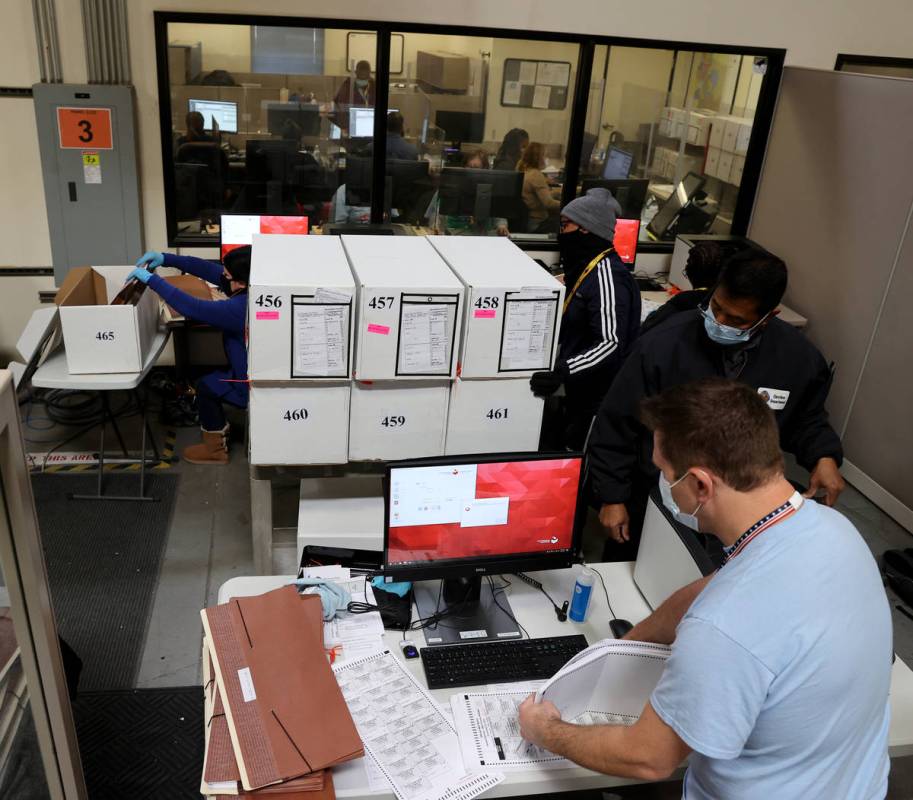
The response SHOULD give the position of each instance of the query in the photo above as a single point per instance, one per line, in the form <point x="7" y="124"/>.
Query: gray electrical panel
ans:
<point x="87" y="141"/>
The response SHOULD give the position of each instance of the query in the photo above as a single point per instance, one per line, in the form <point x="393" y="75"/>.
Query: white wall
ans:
<point x="811" y="34"/>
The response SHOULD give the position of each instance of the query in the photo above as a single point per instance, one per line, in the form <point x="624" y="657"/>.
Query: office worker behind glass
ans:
<point x="538" y="196"/>
<point x="358" y="93"/>
<point x="515" y="142"/>
<point x="196" y="129"/>
<point x="777" y="684"/>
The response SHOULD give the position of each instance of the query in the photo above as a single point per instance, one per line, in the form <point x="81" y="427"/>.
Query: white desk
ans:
<point x="536" y="614"/>
<point x="53" y="374"/>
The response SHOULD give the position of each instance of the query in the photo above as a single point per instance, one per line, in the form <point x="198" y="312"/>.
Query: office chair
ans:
<point x="211" y="156"/>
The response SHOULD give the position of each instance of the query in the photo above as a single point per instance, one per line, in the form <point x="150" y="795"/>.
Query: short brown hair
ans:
<point x="719" y="424"/>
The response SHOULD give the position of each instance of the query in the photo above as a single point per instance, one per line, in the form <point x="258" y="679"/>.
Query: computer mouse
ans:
<point x="619" y="627"/>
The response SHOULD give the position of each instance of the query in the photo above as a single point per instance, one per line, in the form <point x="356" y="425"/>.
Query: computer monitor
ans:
<point x="617" y="164"/>
<point x="681" y="195"/>
<point x="460" y="518"/>
<point x="461" y="126"/>
<point x="293" y="120"/>
<point x="407" y="187"/>
<point x="625" y="240"/>
<point x="217" y="114"/>
<point x="238" y="230"/>
<point x="361" y="122"/>
<point x="630" y="194"/>
<point x="480" y="193"/>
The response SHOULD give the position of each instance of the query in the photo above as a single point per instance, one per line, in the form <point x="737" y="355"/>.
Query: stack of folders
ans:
<point x="276" y="721"/>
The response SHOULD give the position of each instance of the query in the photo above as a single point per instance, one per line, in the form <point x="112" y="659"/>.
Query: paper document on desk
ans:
<point x="406" y="733"/>
<point x="609" y="683"/>
<point x="647" y="307"/>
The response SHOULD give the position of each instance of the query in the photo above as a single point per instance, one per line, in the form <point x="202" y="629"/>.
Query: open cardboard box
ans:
<point x="99" y="337"/>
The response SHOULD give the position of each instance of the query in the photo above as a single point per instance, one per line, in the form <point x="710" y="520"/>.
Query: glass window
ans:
<point x="876" y="65"/>
<point x="268" y="120"/>
<point x="667" y="131"/>
<point x="476" y="134"/>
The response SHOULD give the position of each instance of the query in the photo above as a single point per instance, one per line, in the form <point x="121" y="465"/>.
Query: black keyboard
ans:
<point x="498" y="662"/>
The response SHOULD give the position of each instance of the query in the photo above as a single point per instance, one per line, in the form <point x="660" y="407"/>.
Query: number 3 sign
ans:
<point x="83" y="128"/>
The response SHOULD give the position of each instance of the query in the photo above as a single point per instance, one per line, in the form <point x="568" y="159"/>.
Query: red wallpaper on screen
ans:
<point x="274" y="224"/>
<point x="543" y="499"/>
<point x="625" y="241"/>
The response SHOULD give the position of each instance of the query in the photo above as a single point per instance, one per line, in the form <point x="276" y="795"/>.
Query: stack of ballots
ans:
<point x="276" y="721"/>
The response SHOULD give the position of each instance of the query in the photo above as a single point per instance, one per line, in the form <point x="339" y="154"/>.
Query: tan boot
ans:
<point x="212" y="450"/>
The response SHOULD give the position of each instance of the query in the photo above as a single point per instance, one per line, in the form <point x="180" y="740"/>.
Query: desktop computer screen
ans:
<point x="238" y="230"/>
<point x="486" y="515"/>
<point x="361" y="122"/>
<point x="217" y="114"/>
<point x="617" y="164"/>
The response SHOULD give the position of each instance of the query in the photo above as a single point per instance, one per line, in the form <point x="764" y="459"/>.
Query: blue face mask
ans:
<point x="726" y="334"/>
<point x="665" y="491"/>
<point x="361" y="83"/>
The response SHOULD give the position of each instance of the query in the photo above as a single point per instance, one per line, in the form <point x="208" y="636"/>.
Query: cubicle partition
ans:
<point x="835" y="201"/>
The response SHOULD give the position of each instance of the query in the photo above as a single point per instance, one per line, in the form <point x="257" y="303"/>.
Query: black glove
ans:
<point x="545" y="384"/>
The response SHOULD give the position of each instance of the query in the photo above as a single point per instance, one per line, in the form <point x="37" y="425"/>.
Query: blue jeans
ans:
<point x="209" y="407"/>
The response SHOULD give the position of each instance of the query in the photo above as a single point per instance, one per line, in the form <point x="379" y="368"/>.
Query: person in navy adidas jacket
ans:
<point x="601" y="312"/>
<point x="229" y="316"/>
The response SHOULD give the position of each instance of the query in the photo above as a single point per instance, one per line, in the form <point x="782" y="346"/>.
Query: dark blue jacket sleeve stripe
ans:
<point x="606" y="312"/>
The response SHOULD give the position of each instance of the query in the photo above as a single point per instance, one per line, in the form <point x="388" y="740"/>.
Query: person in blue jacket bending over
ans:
<point x="230" y="316"/>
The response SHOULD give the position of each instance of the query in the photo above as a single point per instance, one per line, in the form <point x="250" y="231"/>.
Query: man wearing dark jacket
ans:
<point x="734" y="335"/>
<point x="601" y="312"/>
<point x="229" y="316"/>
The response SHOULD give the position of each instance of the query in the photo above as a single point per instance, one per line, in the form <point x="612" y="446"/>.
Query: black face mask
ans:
<point x="577" y="250"/>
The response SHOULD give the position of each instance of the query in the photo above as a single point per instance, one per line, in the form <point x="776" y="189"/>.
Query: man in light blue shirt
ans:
<point x="781" y="660"/>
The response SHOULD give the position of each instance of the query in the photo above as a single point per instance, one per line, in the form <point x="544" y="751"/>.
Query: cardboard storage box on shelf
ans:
<point x="493" y="417"/>
<point x="98" y="337"/>
<point x="409" y="309"/>
<point x="724" y="167"/>
<point x="743" y="137"/>
<point x="717" y="129"/>
<point x="513" y="307"/>
<point x="395" y="419"/>
<point x="300" y="423"/>
<point x="300" y="309"/>
<point x="713" y="162"/>
<point x="738" y="166"/>
<point x="699" y="127"/>
<point x="341" y="513"/>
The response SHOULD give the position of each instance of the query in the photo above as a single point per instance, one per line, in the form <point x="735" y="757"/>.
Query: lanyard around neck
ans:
<point x="790" y="507"/>
<point x="583" y="275"/>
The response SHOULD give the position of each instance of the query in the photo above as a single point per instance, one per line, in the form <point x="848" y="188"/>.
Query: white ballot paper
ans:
<point x="320" y="340"/>
<point x="541" y="95"/>
<point x="529" y="325"/>
<point x="609" y="683"/>
<point x="405" y="732"/>
<point x="423" y="339"/>
<point x="647" y="307"/>
<point x="511" y="93"/>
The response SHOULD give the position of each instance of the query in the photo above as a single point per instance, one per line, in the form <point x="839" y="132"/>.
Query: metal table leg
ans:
<point x="261" y="523"/>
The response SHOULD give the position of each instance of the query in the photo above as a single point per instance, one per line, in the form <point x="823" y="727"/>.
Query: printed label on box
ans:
<point x="485" y="313"/>
<point x="267" y="315"/>
<point x="247" y="684"/>
<point x="384" y="330"/>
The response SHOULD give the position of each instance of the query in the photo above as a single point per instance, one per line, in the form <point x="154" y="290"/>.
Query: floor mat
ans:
<point x="103" y="562"/>
<point x="141" y="744"/>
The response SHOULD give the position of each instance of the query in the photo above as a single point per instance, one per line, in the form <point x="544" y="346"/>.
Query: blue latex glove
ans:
<point x="400" y="588"/>
<point x="332" y="596"/>
<point x="151" y="259"/>
<point x="142" y="275"/>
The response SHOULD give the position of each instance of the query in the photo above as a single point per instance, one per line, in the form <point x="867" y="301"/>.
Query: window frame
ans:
<point x="587" y="44"/>
<point x="845" y="60"/>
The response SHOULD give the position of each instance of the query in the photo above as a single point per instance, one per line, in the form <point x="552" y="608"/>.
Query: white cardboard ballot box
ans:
<point x="98" y="337"/>
<point x="409" y="309"/>
<point x="300" y="309"/>
<point x="341" y="513"/>
<point x="300" y="423"/>
<point x="395" y="419"/>
<point x="493" y="416"/>
<point x="513" y="308"/>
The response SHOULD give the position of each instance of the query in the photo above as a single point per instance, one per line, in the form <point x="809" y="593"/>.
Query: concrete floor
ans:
<point x="209" y="543"/>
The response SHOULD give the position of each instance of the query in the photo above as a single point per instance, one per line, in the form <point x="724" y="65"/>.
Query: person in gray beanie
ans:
<point x="601" y="314"/>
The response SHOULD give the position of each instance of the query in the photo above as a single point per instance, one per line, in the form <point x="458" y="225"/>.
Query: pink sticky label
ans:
<point x="485" y="313"/>
<point x="267" y="315"/>
<point x="384" y="330"/>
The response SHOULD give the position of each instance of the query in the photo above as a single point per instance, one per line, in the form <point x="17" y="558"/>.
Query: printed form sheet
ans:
<point x="607" y="684"/>
<point x="424" y="338"/>
<point x="406" y="734"/>
<point x="320" y="339"/>
<point x="529" y="325"/>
